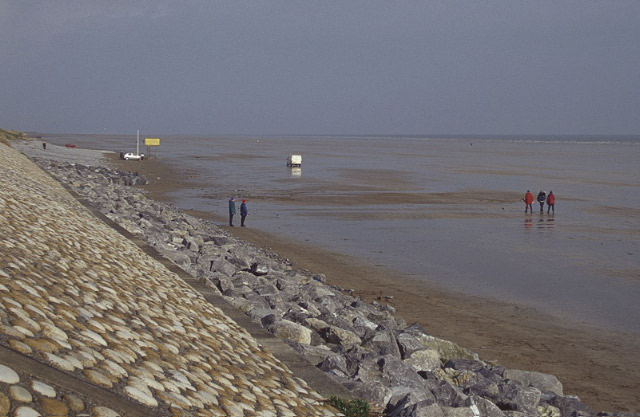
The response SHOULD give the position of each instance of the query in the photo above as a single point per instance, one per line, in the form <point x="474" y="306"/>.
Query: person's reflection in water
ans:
<point x="550" y="222"/>
<point x="541" y="224"/>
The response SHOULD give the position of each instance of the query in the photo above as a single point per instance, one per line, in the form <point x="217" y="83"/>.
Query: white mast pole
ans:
<point x="138" y="144"/>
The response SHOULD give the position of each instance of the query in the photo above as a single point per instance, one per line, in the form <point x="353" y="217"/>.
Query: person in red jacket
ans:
<point x="551" y="202"/>
<point x="528" y="201"/>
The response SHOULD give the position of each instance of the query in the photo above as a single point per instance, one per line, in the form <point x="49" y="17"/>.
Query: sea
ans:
<point x="443" y="209"/>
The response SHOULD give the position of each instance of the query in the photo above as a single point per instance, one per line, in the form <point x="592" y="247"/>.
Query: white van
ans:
<point x="294" y="160"/>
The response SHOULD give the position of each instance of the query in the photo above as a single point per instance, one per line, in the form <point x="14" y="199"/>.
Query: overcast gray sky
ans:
<point x="321" y="66"/>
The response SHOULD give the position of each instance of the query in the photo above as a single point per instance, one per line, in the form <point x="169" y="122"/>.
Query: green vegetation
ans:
<point x="7" y="135"/>
<point x="351" y="408"/>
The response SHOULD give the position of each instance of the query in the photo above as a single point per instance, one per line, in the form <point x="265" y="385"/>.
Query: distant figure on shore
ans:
<point x="528" y="201"/>
<point x="232" y="210"/>
<point x="44" y="145"/>
<point x="551" y="202"/>
<point x="243" y="212"/>
<point x="542" y="196"/>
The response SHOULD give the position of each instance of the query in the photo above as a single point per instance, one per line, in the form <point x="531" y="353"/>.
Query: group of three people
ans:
<point x="542" y="197"/>
<point x="232" y="211"/>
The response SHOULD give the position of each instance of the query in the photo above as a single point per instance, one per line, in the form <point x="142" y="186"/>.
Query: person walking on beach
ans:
<point x="232" y="210"/>
<point x="551" y="202"/>
<point x="243" y="212"/>
<point x="541" y="197"/>
<point x="528" y="201"/>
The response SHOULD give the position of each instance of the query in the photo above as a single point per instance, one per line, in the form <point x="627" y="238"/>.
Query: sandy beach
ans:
<point x="597" y="365"/>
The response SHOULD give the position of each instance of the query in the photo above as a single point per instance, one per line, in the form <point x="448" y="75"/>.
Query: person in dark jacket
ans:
<point x="551" y="202"/>
<point x="243" y="212"/>
<point x="541" y="197"/>
<point x="232" y="210"/>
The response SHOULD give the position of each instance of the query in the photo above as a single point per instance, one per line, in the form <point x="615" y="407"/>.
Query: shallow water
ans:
<point x="416" y="205"/>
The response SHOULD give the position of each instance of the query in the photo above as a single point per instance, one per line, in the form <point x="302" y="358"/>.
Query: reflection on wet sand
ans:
<point x="542" y="223"/>
<point x="545" y="224"/>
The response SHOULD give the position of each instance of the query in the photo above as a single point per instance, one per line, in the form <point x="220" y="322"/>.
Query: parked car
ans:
<point x="133" y="156"/>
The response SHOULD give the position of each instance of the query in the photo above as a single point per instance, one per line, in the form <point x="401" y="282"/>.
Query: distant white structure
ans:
<point x="294" y="160"/>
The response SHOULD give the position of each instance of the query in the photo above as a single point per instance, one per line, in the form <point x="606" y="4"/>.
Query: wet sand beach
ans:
<point x="597" y="365"/>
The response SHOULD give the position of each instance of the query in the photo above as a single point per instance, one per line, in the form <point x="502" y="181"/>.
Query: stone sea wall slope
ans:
<point x="90" y="325"/>
<point x="364" y="346"/>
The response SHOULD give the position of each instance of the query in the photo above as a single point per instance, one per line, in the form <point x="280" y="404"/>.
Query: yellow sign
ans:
<point x="152" y="141"/>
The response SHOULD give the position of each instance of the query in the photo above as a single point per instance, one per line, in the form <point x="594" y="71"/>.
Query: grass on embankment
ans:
<point x="9" y="135"/>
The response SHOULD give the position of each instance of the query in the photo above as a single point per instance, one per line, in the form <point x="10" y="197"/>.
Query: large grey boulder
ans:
<point x="244" y="278"/>
<point x="260" y="314"/>
<point x="316" y="324"/>
<point x="396" y="373"/>
<point x="259" y="269"/>
<point x="368" y="370"/>
<point x="465" y="365"/>
<point x="405" y="402"/>
<point x="208" y="283"/>
<point x="265" y="288"/>
<point x="543" y="382"/>
<point x="424" y="360"/>
<point x="338" y="336"/>
<point x="318" y="292"/>
<point x="457" y="412"/>
<point x="362" y="325"/>
<point x="483" y="387"/>
<point x="336" y="364"/>
<point x="240" y="303"/>
<point x="484" y="408"/>
<point x="571" y="406"/>
<point x="222" y="282"/>
<point x="513" y="397"/>
<point x="217" y="264"/>
<point x="209" y="249"/>
<point x="288" y="330"/>
<point x="448" y="395"/>
<point x="383" y="342"/>
<point x="315" y="355"/>
<point x="179" y="258"/>
<point x="446" y="349"/>
<point x="421" y="409"/>
<point x="529" y="400"/>
<point x="289" y="288"/>
<point x="371" y="391"/>
<point x="408" y="344"/>
<point x="191" y="243"/>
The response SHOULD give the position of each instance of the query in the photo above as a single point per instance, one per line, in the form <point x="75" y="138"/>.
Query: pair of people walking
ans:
<point x="244" y="212"/>
<point x="542" y="197"/>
